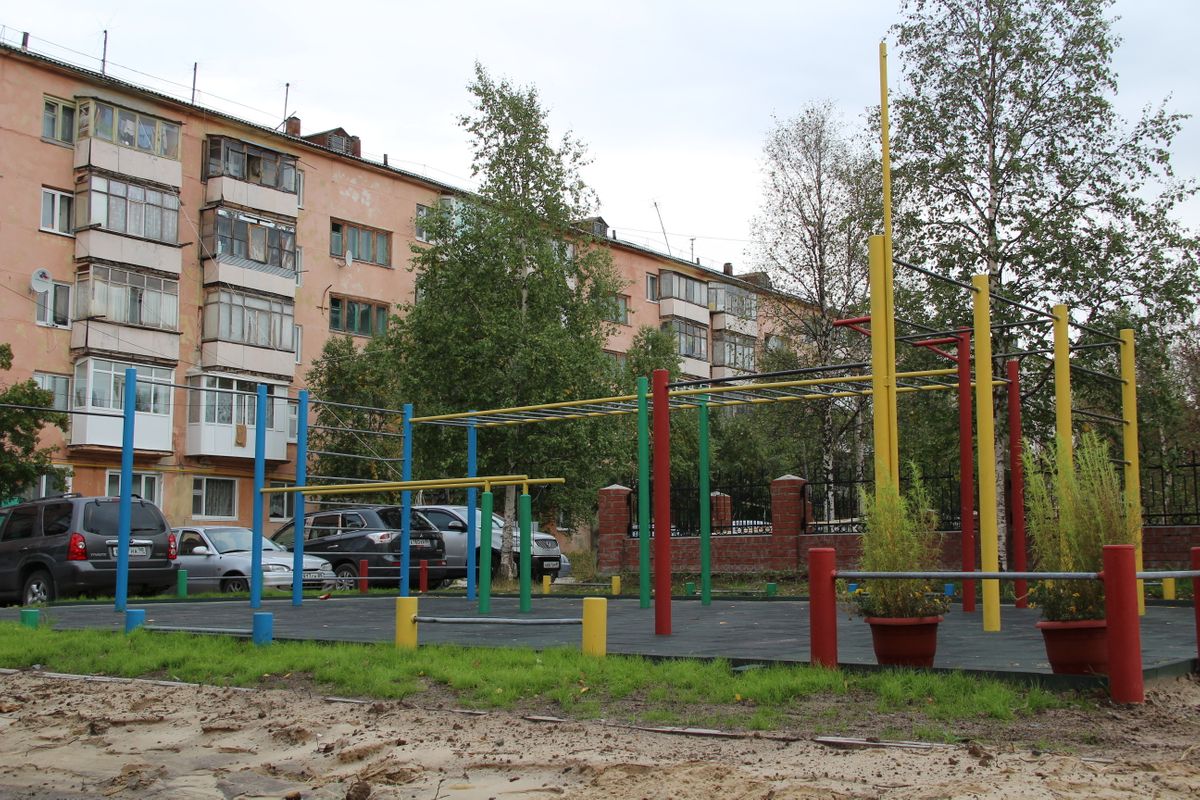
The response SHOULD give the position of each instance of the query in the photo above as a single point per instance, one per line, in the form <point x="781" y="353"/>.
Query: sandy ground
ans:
<point x="68" y="739"/>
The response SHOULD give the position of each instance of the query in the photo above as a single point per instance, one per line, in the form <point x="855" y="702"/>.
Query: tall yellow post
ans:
<point x="616" y="585"/>
<point x="1062" y="390"/>
<point x="545" y="584"/>
<point x="985" y="426"/>
<point x="595" y="626"/>
<point x="882" y="383"/>
<point x="888" y="265"/>
<point x="406" y="623"/>
<point x="1129" y="447"/>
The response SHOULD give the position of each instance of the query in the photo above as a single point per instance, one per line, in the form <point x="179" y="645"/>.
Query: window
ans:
<point x="127" y="297"/>
<point x="619" y="310"/>
<point x="357" y="316"/>
<point x="246" y="162"/>
<point x="237" y="233"/>
<point x="733" y="350"/>
<point x="366" y="244"/>
<point x="100" y="383"/>
<point x="56" y="211"/>
<point x="298" y="341"/>
<point x="282" y="506"/>
<point x="422" y="212"/>
<point x="300" y="188"/>
<point x="54" y="306"/>
<point x="733" y="300"/>
<point x="236" y="405"/>
<point x="692" y="338"/>
<point x="22" y="523"/>
<point x="652" y="288"/>
<point x="58" y="120"/>
<point x="293" y="420"/>
<point x="127" y="208"/>
<point x="58" y="385"/>
<point x="775" y="342"/>
<point x="299" y="265"/>
<point x="129" y="129"/>
<point x="681" y="287"/>
<point x="214" y="498"/>
<point x="250" y="319"/>
<point x="146" y="485"/>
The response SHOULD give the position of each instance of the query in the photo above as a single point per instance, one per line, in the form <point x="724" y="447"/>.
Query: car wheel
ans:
<point x="235" y="583"/>
<point x="39" y="589"/>
<point x="347" y="577"/>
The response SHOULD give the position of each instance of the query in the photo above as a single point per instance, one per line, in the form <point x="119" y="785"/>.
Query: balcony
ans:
<point x="249" y="195"/>
<point x="222" y="414"/>
<point x="244" y="274"/>
<point x="221" y="355"/>
<point x="151" y="432"/>
<point x="724" y="321"/>
<point x="729" y="372"/>
<point x="103" y="245"/>
<point x="99" y="336"/>
<point x="673" y="307"/>
<point x="93" y="152"/>
<point x="694" y="367"/>
<point x="233" y="441"/>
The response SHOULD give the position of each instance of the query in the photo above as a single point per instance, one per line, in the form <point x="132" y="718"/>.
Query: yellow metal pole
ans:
<point x="1129" y="442"/>
<point x="424" y="482"/>
<point x="545" y="584"/>
<point x="1062" y="391"/>
<point x="985" y="427"/>
<point x="880" y="411"/>
<point x="616" y="585"/>
<point x="406" y="623"/>
<point x="595" y="626"/>
<point x="889" y="318"/>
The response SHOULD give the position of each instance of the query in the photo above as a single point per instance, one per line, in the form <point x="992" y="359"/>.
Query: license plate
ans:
<point x="550" y="564"/>
<point x="135" y="551"/>
<point x="312" y="576"/>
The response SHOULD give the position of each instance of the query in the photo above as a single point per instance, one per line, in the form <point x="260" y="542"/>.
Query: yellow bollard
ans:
<point x="406" y="623"/>
<point x="545" y="584"/>
<point x="1168" y="588"/>
<point x="595" y="626"/>
<point x="616" y="585"/>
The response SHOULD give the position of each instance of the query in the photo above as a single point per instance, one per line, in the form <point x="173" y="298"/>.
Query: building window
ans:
<point x="58" y="385"/>
<point x="235" y="404"/>
<point x="692" y="338"/>
<point x="58" y="120"/>
<point x="652" y="288"/>
<point x="366" y="244"/>
<point x="267" y="241"/>
<point x="249" y="319"/>
<point x="282" y="506"/>
<point x="619" y="309"/>
<point x="357" y="316"/>
<point x="100" y="383"/>
<point x="733" y="350"/>
<point x="681" y="287"/>
<point x="300" y="188"/>
<point x="146" y="485"/>
<point x="127" y="208"/>
<point x="56" y="211"/>
<point x="733" y="300"/>
<point x="775" y="342"/>
<point x="293" y="420"/>
<point x="51" y="485"/>
<point x="246" y="162"/>
<point x="214" y="498"/>
<point x="128" y="298"/>
<point x="54" y="306"/>
<point x="127" y="128"/>
<point x="422" y="212"/>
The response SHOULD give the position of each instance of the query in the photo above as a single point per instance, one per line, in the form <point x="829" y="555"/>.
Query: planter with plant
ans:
<point x="900" y="536"/>
<point x="1071" y="515"/>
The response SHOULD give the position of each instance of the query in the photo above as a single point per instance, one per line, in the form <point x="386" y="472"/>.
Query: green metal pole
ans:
<point x="181" y="580"/>
<point x="643" y="386"/>
<point x="485" y="552"/>
<point x="705" y="510"/>
<point x="524" y="513"/>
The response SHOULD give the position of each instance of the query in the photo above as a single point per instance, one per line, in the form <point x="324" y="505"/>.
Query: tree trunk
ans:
<point x="827" y="460"/>
<point x="508" y="567"/>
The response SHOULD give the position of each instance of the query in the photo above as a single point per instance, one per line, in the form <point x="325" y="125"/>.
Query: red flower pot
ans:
<point x="904" y="641"/>
<point x="1079" y="647"/>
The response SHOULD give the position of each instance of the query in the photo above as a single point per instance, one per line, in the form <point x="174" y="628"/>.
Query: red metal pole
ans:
<point x="1016" y="471"/>
<point x="1196" y="596"/>
<point x="362" y="576"/>
<point x="822" y="607"/>
<point x="662" y="504"/>
<point x="423" y="580"/>
<point x="1125" y="682"/>
<point x="966" y="461"/>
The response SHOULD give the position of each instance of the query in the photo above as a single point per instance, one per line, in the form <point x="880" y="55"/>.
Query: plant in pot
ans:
<point x="1072" y="513"/>
<point x="900" y="536"/>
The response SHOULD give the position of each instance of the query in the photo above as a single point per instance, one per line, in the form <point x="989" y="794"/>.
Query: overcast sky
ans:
<point x="672" y="98"/>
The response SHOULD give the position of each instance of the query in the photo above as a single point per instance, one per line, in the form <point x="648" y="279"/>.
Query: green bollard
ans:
<point x="181" y="583"/>
<point x="689" y="588"/>
<point x="772" y="589"/>
<point x="31" y="617"/>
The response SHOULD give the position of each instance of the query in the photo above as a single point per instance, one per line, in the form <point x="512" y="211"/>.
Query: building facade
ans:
<point x="214" y="254"/>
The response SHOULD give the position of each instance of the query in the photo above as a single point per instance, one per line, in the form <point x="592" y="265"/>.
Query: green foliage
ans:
<point x="1071" y="514"/>
<point x="22" y="462"/>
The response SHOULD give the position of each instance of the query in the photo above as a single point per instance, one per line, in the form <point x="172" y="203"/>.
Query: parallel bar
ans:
<point x="986" y="575"/>
<point x="1168" y="573"/>
<point x="498" y="621"/>
<point x="1094" y="415"/>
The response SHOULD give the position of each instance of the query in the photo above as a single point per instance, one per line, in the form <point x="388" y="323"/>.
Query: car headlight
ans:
<point x="276" y="568"/>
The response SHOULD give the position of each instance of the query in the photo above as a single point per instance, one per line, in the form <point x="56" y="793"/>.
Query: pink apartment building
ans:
<point x="137" y="229"/>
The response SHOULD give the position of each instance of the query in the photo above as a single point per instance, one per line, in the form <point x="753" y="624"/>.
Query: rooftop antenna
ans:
<point x="104" y="55"/>
<point x="663" y="227"/>
<point x="195" y="65"/>
<point x="693" y="241"/>
<point x="287" y="87"/>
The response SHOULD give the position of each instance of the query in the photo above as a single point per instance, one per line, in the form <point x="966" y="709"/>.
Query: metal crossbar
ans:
<point x="498" y="621"/>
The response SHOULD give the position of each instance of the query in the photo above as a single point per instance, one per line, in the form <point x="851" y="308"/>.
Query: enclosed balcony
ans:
<point x="222" y="416"/>
<point x="100" y="391"/>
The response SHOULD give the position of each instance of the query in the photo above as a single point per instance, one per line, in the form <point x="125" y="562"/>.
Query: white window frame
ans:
<point x="421" y="234"/>
<point x="652" y="292"/>
<point x="287" y="498"/>
<point x="112" y="293"/>
<point x="300" y="188"/>
<point x="98" y="199"/>
<point x="139" y="485"/>
<point x="46" y="381"/>
<point x="298" y="342"/>
<point x="293" y="421"/>
<point x="166" y="137"/>
<point x="58" y="199"/>
<point x="42" y="488"/>
<point x="251" y="319"/>
<point x="64" y="133"/>
<point x="200" y="490"/>
<point x="48" y="301"/>
<point x="154" y="386"/>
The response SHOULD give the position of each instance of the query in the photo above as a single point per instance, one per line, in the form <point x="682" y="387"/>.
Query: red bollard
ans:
<point x="822" y="607"/>
<point x="362" y="576"/>
<point x="1125" y="680"/>
<point x="423" y="581"/>
<point x="1196" y="596"/>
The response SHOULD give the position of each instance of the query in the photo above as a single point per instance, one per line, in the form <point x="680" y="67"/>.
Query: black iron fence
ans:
<point x="1171" y="492"/>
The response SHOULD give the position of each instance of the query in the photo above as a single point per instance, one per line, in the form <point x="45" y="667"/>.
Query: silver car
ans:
<point x="452" y="522"/>
<point x="219" y="557"/>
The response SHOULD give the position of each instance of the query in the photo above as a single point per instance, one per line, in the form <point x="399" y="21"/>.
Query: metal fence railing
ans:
<point x="1171" y="492"/>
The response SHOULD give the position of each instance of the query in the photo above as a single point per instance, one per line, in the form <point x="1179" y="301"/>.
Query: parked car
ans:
<point x="67" y="545"/>
<point x="452" y="522"/>
<point x="220" y="557"/>
<point x="349" y="535"/>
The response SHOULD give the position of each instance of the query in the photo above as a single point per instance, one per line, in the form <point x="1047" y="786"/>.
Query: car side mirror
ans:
<point x="457" y="525"/>
<point x="200" y="550"/>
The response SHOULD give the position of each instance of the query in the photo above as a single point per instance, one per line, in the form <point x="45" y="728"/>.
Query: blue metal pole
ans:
<point x="260" y="474"/>
<point x="406" y="500"/>
<point x="125" y="507"/>
<point x="472" y="471"/>
<point x="298" y="513"/>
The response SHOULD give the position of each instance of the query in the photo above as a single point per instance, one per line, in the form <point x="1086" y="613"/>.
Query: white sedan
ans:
<point x="219" y="557"/>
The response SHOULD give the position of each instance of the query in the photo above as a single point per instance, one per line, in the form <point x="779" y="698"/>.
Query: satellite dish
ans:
<point x="40" y="281"/>
<point x="348" y="259"/>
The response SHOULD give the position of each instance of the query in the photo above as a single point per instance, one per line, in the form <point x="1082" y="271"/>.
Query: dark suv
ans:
<point x="349" y="535"/>
<point x="63" y="546"/>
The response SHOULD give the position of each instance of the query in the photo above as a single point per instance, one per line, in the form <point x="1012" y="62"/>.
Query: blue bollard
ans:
<point x="852" y="587"/>
<point x="264" y="627"/>
<point x="134" y="619"/>
<point x="948" y="589"/>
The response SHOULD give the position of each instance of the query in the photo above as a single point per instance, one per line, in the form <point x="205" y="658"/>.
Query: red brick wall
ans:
<point x="1166" y="546"/>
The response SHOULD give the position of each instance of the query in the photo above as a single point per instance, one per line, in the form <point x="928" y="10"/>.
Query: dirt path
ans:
<point x="68" y="739"/>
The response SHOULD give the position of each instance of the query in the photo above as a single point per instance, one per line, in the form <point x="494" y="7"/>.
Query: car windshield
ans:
<point x="235" y="540"/>
<point x="100" y="517"/>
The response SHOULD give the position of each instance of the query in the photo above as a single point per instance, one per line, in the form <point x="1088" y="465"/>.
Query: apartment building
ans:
<point x="211" y="253"/>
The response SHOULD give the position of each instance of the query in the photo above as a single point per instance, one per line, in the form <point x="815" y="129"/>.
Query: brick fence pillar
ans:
<point x="612" y="533"/>
<point x="722" y="510"/>
<point x="789" y="518"/>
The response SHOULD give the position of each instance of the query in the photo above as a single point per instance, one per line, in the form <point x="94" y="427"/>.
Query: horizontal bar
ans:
<point x="1095" y="345"/>
<point x="400" y="486"/>
<point x="1098" y="374"/>
<point x="186" y="629"/>
<point x="933" y="274"/>
<point x="936" y="342"/>
<point x="353" y="455"/>
<point x="1030" y="576"/>
<point x="838" y="323"/>
<point x="1001" y="326"/>
<point x="1170" y="573"/>
<point x="356" y="430"/>
<point x="315" y="401"/>
<point x="1096" y="331"/>
<point x="778" y="374"/>
<point x="1044" y="351"/>
<point x="21" y="407"/>
<point x="1106" y="417"/>
<point x="912" y="337"/>
<point x="1022" y="306"/>
<point x="911" y="324"/>
<point x="418" y="484"/>
<point x="498" y="621"/>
